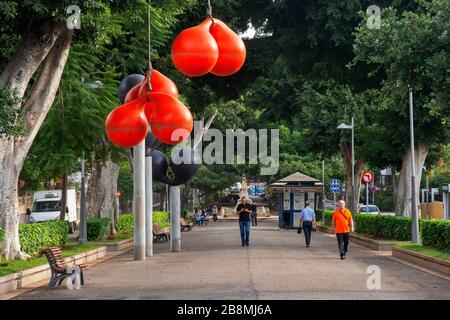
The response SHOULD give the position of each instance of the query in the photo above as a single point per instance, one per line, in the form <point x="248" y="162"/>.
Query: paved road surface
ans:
<point x="277" y="265"/>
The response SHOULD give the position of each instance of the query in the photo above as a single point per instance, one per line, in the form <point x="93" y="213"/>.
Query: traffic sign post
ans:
<point x="367" y="177"/>
<point x="334" y="188"/>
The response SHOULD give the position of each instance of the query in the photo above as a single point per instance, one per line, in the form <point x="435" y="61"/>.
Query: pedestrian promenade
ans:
<point x="277" y="265"/>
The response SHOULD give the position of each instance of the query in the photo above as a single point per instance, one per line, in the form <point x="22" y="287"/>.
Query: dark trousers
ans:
<point x="342" y="239"/>
<point x="244" y="227"/>
<point x="254" y="220"/>
<point x="307" y="229"/>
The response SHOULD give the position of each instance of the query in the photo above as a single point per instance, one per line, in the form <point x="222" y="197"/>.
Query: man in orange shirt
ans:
<point x="342" y="223"/>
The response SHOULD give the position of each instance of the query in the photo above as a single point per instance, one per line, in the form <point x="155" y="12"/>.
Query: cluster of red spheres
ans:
<point x="170" y="120"/>
<point x="210" y="47"/>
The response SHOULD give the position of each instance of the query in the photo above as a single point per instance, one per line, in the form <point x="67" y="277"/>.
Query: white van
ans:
<point x="47" y="206"/>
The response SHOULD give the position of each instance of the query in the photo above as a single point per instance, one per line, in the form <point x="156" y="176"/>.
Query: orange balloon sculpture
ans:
<point x="126" y="126"/>
<point x="194" y="51"/>
<point x="170" y="121"/>
<point x="232" y="50"/>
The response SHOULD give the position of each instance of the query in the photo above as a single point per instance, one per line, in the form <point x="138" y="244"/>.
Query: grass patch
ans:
<point x="424" y="250"/>
<point x="118" y="237"/>
<point x="70" y="249"/>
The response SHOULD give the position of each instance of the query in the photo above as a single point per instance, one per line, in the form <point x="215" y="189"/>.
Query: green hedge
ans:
<point x="125" y="225"/>
<point x="436" y="234"/>
<point x="328" y="216"/>
<point x="34" y="237"/>
<point x="98" y="229"/>
<point x="384" y="227"/>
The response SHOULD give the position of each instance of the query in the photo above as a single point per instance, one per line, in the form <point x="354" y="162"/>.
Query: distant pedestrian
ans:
<point x="198" y="217"/>
<point x="308" y="222"/>
<point x="215" y="212"/>
<point x="342" y="223"/>
<point x="253" y="214"/>
<point x="244" y="211"/>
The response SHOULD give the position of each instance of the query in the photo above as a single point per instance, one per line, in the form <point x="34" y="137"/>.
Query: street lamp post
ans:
<point x="352" y="127"/>
<point x="414" y="217"/>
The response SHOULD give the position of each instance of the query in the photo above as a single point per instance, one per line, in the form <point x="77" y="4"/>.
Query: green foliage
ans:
<point x="328" y="216"/>
<point x="125" y="181"/>
<point x="37" y="236"/>
<point x="11" y="121"/>
<point x="98" y="229"/>
<point x="384" y="227"/>
<point x="436" y="234"/>
<point x="385" y="199"/>
<point x="125" y="225"/>
<point x="161" y="218"/>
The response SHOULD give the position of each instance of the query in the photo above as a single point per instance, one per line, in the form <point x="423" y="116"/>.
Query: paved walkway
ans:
<point x="277" y="265"/>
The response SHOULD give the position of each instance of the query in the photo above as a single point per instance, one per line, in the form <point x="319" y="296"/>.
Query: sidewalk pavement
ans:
<point x="276" y="265"/>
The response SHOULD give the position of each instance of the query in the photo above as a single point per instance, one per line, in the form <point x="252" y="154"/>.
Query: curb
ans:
<point x="423" y="260"/>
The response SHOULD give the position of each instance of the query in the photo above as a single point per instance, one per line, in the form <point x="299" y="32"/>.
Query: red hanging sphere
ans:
<point x="160" y="83"/>
<point x="194" y="51"/>
<point x="133" y="94"/>
<point x="126" y="126"/>
<point x="170" y="121"/>
<point x="232" y="52"/>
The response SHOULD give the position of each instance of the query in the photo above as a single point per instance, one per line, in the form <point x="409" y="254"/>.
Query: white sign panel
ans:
<point x="287" y="201"/>
<point x="299" y="201"/>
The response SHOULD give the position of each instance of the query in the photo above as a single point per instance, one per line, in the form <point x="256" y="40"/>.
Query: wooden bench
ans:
<point x="59" y="267"/>
<point x="159" y="234"/>
<point x="186" y="225"/>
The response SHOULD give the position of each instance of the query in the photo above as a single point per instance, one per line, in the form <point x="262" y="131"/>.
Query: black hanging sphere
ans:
<point x="127" y="83"/>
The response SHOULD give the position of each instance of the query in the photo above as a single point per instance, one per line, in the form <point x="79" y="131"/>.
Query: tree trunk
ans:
<point x="62" y="213"/>
<point x="108" y="191"/>
<point x="346" y="152"/>
<point x="52" y="44"/>
<point x="185" y="197"/>
<point x="404" y="194"/>
<point x="102" y="192"/>
<point x="162" y="202"/>
<point x="94" y="198"/>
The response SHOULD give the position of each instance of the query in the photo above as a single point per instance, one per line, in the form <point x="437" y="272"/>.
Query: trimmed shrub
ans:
<point x="384" y="227"/>
<point x="436" y="234"/>
<point x="34" y="237"/>
<point x="125" y="225"/>
<point x="328" y="216"/>
<point x="98" y="229"/>
<point x="161" y="218"/>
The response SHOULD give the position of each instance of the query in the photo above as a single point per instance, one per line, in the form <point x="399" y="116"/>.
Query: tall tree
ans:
<point x="412" y="49"/>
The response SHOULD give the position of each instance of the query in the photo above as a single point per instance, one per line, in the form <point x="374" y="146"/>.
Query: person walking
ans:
<point x="198" y="217"/>
<point x="253" y="214"/>
<point x="308" y="222"/>
<point x="215" y="212"/>
<point x="244" y="210"/>
<point x="342" y="223"/>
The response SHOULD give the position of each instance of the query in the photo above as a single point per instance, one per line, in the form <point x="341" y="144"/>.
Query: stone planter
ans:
<point x="378" y="245"/>
<point x="26" y="277"/>
<point x="118" y="245"/>
<point x="432" y="263"/>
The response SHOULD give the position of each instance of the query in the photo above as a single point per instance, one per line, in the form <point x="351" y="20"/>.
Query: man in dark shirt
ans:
<point x="244" y="211"/>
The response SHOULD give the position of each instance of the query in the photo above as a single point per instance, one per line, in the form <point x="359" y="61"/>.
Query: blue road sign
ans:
<point x="334" y="186"/>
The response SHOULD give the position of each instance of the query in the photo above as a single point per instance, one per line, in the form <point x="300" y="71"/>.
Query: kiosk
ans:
<point x="294" y="190"/>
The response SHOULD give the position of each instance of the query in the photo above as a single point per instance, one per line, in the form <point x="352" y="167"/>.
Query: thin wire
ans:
<point x="149" y="71"/>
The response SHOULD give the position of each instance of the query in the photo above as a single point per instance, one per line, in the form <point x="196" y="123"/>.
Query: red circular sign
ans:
<point x="367" y="177"/>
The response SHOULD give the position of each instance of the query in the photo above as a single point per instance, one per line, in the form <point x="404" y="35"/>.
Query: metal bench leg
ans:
<point x="81" y="277"/>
